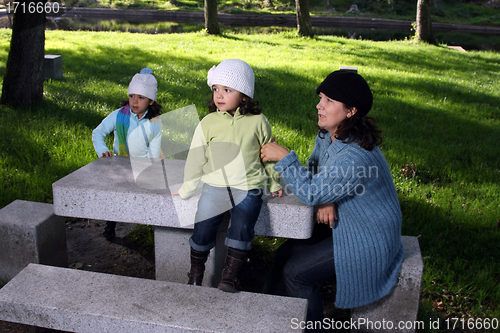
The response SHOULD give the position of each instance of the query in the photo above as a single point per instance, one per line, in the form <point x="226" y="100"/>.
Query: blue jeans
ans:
<point x="244" y="213"/>
<point x="299" y="265"/>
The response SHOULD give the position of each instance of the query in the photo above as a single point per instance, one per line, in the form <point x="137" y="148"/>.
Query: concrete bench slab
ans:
<point x="30" y="233"/>
<point x="53" y="67"/>
<point x="136" y="190"/>
<point x="396" y="312"/>
<point x="82" y="301"/>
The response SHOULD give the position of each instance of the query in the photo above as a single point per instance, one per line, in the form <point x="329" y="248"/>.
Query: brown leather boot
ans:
<point x="198" y="260"/>
<point x="234" y="262"/>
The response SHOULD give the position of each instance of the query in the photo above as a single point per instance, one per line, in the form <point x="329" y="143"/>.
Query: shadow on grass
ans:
<point x="34" y="154"/>
<point x="447" y="143"/>
<point x="459" y="260"/>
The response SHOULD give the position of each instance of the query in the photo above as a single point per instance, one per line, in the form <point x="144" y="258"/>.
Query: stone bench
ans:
<point x="136" y="190"/>
<point x="81" y="301"/>
<point x="396" y="312"/>
<point x="53" y="67"/>
<point x="30" y="233"/>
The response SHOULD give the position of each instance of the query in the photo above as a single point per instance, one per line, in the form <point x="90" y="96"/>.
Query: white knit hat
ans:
<point x="144" y="84"/>
<point x="233" y="73"/>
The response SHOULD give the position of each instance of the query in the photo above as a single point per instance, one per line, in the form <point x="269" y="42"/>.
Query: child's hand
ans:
<point x="176" y="192"/>
<point x="107" y="154"/>
<point x="326" y="214"/>
<point x="278" y="193"/>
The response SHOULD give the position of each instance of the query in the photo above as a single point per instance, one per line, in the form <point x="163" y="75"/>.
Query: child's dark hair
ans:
<point x="154" y="109"/>
<point x="247" y="105"/>
<point x="362" y="130"/>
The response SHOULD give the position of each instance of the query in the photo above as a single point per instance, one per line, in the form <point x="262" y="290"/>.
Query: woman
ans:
<point x="348" y="180"/>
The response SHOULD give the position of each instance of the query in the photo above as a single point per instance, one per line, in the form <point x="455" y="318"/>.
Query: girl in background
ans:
<point x="136" y="126"/>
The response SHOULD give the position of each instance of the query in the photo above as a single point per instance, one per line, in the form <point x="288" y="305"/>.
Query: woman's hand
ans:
<point x="326" y="214"/>
<point x="272" y="152"/>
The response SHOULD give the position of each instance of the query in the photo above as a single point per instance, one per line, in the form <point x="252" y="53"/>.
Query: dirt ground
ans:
<point x="89" y="250"/>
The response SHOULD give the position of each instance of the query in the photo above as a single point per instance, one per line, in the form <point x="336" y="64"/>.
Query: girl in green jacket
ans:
<point x="225" y="155"/>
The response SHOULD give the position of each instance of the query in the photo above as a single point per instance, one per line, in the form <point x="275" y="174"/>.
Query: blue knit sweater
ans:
<point x="367" y="245"/>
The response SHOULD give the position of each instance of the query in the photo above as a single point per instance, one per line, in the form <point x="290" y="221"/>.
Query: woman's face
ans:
<point x="331" y="113"/>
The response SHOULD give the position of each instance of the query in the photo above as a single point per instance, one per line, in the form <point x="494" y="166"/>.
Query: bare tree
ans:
<point x="211" y="18"/>
<point x="23" y="80"/>
<point x="424" y="22"/>
<point x="304" y="25"/>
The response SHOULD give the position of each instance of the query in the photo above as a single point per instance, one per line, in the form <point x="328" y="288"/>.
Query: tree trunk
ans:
<point x="304" y="25"/>
<point x="211" y="19"/>
<point x="424" y="22"/>
<point x="23" y="80"/>
<point x="268" y="4"/>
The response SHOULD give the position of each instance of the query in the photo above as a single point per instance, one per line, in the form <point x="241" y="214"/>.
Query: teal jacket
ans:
<point x="367" y="245"/>
<point x="141" y="132"/>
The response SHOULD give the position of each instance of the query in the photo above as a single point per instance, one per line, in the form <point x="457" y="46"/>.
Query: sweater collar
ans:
<point x="227" y="114"/>
<point x="335" y="146"/>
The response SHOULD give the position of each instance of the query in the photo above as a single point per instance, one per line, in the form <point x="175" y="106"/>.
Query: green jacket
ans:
<point x="225" y="152"/>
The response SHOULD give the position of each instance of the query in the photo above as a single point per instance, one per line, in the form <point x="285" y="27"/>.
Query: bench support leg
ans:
<point x="172" y="256"/>
<point x="30" y="233"/>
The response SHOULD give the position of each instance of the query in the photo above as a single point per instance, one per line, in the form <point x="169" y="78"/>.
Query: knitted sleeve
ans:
<point x="313" y="160"/>
<point x="331" y="183"/>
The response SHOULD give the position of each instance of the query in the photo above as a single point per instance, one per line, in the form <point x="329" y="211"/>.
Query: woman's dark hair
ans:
<point x="362" y="130"/>
<point x="247" y="105"/>
<point x="154" y="109"/>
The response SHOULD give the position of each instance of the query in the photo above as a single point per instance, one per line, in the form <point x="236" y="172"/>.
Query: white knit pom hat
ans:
<point x="144" y="84"/>
<point x="233" y="73"/>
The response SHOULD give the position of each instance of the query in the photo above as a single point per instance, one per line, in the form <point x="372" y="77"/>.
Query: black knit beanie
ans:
<point x="349" y="88"/>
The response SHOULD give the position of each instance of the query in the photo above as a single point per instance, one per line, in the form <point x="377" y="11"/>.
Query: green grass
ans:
<point x="439" y="109"/>
<point x="142" y="238"/>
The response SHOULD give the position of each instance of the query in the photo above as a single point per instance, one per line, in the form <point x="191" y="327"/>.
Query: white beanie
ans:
<point x="144" y="84"/>
<point x="233" y="73"/>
